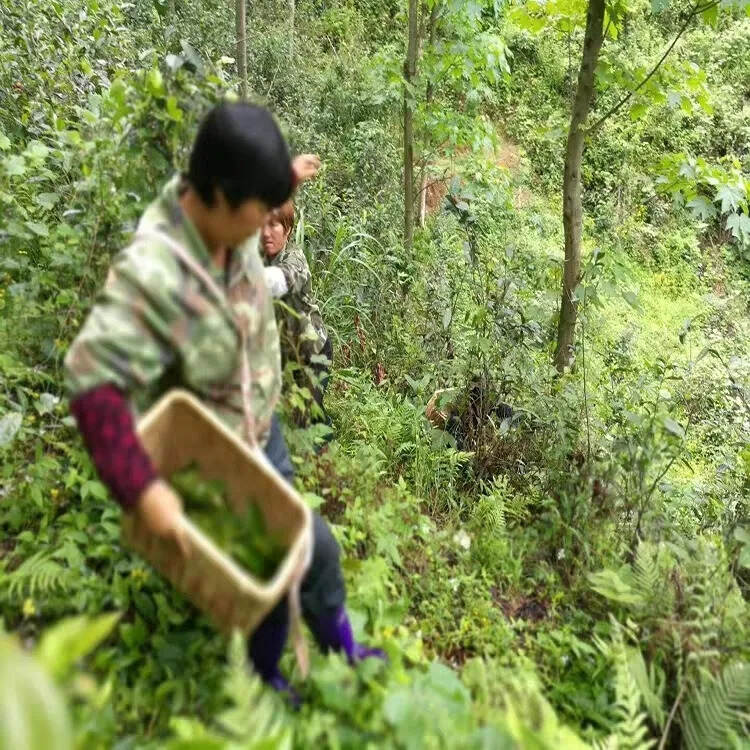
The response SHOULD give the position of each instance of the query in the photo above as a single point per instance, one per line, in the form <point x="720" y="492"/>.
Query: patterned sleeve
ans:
<point x="295" y="269"/>
<point x="106" y="425"/>
<point x="125" y="341"/>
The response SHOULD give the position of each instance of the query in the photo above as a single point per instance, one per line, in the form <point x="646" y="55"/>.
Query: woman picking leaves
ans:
<point x="304" y="338"/>
<point x="167" y="317"/>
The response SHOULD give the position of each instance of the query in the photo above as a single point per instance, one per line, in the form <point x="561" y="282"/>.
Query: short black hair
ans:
<point x="240" y="150"/>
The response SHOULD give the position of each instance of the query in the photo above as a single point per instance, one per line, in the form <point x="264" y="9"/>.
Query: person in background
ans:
<point x="462" y="412"/>
<point x="186" y="305"/>
<point x="304" y="338"/>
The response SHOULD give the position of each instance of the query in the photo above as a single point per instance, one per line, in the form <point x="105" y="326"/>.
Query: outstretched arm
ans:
<point x="305" y="167"/>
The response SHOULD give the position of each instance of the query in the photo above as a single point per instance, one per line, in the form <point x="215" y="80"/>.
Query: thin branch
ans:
<point x="585" y="394"/>
<point x="428" y="185"/>
<point x="661" y="476"/>
<point x="671" y="716"/>
<point x="703" y="8"/>
<point x="625" y="99"/>
<point x="737" y="386"/>
<point x="273" y="80"/>
<point x="585" y="388"/>
<point x="84" y="278"/>
<point x="445" y="71"/>
<point x="333" y="48"/>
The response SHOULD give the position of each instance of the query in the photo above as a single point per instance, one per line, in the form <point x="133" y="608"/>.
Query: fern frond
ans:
<point x="651" y="683"/>
<point x="647" y="573"/>
<point x="258" y="716"/>
<point x="651" y="576"/>
<point x="531" y="720"/>
<point x="489" y="514"/>
<point x="716" y="711"/>
<point x="630" y="731"/>
<point x="38" y="574"/>
<point x="496" y="504"/>
<point x="609" y="743"/>
<point x="704" y="623"/>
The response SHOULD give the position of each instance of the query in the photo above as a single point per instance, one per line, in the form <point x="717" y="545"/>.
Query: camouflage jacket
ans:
<point x="301" y="326"/>
<point x="156" y="325"/>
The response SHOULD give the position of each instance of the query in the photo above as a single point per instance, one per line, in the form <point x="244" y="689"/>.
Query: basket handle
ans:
<point x="239" y="318"/>
<point x="241" y="322"/>
<point x="295" y="608"/>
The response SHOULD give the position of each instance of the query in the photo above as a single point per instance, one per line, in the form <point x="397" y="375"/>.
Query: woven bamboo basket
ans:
<point x="179" y="430"/>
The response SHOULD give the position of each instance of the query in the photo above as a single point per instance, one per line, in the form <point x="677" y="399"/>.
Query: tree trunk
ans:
<point x="410" y="71"/>
<point x="241" y="55"/>
<point x="572" y="206"/>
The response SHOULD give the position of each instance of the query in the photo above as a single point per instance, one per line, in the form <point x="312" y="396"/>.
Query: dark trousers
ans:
<point x="322" y="374"/>
<point x="322" y="591"/>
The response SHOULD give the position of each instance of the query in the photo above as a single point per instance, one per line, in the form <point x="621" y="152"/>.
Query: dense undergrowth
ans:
<point x="576" y="576"/>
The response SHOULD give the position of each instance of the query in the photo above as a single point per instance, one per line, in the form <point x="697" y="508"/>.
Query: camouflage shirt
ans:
<point x="156" y="325"/>
<point x="300" y="322"/>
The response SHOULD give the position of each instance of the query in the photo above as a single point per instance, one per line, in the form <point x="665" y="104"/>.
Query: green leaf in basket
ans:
<point x="242" y="536"/>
